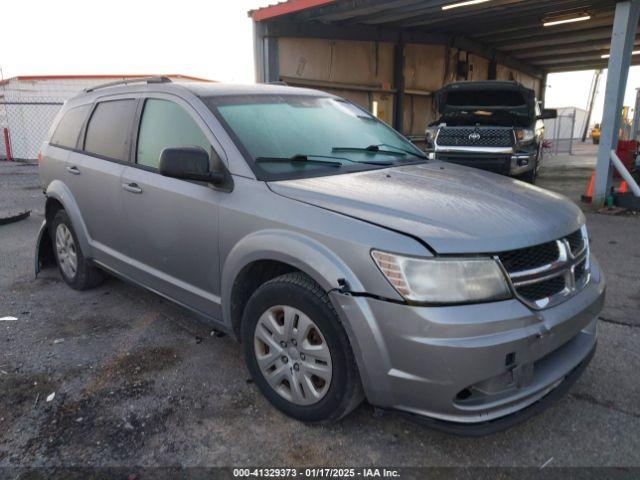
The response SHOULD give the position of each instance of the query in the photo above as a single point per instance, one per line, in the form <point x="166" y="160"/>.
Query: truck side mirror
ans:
<point x="548" y="114"/>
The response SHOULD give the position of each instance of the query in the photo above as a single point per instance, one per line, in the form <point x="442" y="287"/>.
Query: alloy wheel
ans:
<point x="66" y="250"/>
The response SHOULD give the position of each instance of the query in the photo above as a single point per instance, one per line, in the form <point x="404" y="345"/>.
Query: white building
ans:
<point x="28" y="105"/>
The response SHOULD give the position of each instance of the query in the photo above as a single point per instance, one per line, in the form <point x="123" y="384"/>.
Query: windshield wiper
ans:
<point x="402" y="152"/>
<point x="313" y="159"/>
<point x="370" y="148"/>
<point x="402" y="149"/>
<point x="299" y="158"/>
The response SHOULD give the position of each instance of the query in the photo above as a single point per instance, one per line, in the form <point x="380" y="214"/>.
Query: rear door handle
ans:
<point x="73" y="169"/>
<point x="132" y="187"/>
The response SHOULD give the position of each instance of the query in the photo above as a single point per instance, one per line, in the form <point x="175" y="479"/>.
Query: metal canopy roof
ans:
<point x="508" y="30"/>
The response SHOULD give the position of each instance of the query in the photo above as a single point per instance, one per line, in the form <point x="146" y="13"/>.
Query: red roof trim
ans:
<point x="285" y="8"/>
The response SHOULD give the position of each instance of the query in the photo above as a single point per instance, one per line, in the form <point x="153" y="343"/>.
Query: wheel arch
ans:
<point x="264" y="255"/>
<point x="59" y="196"/>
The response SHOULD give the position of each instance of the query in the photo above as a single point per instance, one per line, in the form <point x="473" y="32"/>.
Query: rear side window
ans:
<point x="68" y="130"/>
<point x="109" y="128"/>
<point x="166" y="124"/>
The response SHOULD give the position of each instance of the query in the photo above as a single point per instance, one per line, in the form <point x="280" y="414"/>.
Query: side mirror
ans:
<point x="548" y="114"/>
<point x="188" y="163"/>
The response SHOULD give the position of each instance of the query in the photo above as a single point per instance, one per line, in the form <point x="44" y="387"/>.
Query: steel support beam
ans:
<point x="265" y="54"/>
<point x="622" y="39"/>
<point x="258" y="51"/>
<point x="636" y="117"/>
<point x="399" y="84"/>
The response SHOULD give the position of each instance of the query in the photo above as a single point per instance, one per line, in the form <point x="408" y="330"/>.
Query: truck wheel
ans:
<point x="75" y="269"/>
<point x="530" y="176"/>
<point x="298" y="352"/>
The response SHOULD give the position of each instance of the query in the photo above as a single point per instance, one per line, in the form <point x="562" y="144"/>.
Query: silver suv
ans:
<point x="347" y="264"/>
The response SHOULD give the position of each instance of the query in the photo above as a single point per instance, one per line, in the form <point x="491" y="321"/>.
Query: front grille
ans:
<point x="575" y="242"/>
<point x="541" y="290"/>
<point x="530" y="258"/>
<point x="580" y="271"/>
<point x="475" y="137"/>
<point x="546" y="274"/>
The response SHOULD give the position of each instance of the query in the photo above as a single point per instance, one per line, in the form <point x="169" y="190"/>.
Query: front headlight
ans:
<point x="430" y="135"/>
<point x="440" y="280"/>
<point x="525" y="135"/>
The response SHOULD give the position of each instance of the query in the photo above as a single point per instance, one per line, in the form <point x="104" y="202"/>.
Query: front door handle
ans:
<point x="132" y="187"/>
<point x="73" y="169"/>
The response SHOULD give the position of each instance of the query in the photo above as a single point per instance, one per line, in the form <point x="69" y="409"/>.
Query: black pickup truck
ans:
<point x="491" y="125"/>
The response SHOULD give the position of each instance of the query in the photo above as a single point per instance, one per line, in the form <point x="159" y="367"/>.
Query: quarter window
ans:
<point x="68" y="130"/>
<point x="166" y="124"/>
<point x="109" y="128"/>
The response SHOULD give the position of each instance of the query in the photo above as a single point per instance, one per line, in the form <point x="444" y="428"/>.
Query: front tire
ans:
<point x="75" y="269"/>
<point x="298" y="352"/>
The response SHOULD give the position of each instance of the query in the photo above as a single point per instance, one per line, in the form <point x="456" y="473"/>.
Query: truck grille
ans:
<point x="475" y="137"/>
<point x="547" y="274"/>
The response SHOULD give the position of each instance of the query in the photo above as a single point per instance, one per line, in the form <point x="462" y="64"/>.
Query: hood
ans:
<point x="453" y="209"/>
<point x="484" y="95"/>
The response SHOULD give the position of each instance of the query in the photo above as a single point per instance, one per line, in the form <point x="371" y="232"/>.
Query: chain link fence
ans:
<point x="565" y="131"/>
<point x="24" y="126"/>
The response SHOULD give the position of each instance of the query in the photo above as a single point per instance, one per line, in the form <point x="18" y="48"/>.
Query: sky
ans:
<point x="211" y="39"/>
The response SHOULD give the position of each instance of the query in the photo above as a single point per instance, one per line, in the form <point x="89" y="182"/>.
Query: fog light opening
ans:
<point x="463" y="394"/>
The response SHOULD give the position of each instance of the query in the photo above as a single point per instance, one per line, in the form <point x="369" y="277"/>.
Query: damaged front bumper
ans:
<point x="471" y="369"/>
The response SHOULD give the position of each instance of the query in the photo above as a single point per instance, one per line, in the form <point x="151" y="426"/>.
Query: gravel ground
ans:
<point x="141" y="382"/>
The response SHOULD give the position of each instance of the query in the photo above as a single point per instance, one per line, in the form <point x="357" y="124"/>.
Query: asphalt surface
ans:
<point x="139" y="381"/>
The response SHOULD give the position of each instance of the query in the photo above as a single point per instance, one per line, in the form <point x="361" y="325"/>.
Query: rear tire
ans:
<point x="76" y="270"/>
<point x="290" y="332"/>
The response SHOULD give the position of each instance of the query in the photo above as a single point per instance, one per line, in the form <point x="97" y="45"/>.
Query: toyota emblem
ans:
<point x="475" y="136"/>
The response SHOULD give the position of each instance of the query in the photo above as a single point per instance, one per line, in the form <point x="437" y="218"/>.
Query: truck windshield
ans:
<point x="291" y="127"/>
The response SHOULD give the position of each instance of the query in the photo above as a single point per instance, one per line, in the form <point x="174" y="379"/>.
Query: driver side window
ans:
<point x="166" y="124"/>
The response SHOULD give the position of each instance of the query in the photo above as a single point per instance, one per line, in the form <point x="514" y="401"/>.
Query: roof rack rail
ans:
<point x="126" y="81"/>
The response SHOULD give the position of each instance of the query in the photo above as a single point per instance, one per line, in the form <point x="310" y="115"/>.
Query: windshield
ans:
<point x="287" y="136"/>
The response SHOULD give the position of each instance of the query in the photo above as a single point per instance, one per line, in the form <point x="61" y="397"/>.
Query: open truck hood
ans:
<point x="457" y="100"/>
<point x="453" y="209"/>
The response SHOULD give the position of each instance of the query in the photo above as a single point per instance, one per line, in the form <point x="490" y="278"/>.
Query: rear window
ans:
<point x="109" y="128"/>
<point x="68" y="130"/>
<point x="489" y="98"/>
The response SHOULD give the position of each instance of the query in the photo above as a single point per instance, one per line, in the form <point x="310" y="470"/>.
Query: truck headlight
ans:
<point x="525" y="135"/>
<point x="443" y="280"/>
<point x="430" y="135"/>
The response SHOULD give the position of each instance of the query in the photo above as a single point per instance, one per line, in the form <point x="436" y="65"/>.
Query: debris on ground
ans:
<point x="51" y="396"/>
<point x="546" y="463"/>
<point x="11" y="217"/>
<point x="8" y="319"/>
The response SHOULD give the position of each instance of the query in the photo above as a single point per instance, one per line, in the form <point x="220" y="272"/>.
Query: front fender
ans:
<point x="60" y="192"/>
<point x="299" y="251"/>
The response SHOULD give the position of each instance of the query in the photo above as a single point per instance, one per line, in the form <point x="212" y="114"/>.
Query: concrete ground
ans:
<point x="139" y="381"/>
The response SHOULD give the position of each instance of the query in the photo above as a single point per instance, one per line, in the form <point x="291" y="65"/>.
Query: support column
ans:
<point x="399" y="85"/>
<point x="265" y="54"/>
<point x="258" y="51"/>
<point x="622" y="41"/>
